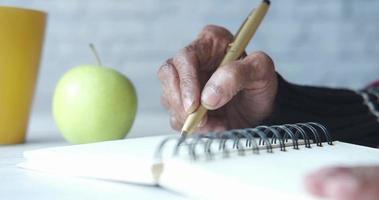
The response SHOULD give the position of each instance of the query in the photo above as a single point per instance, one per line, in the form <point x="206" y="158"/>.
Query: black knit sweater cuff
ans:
<point x="346" y="113"/>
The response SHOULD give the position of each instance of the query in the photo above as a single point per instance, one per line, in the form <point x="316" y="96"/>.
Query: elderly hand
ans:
<point x="240" y="94"/>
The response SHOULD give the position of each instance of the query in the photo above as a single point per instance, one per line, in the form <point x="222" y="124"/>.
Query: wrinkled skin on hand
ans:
<point x="238" y="95"/>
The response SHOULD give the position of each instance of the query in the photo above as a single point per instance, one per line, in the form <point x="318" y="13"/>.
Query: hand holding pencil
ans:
<point x="238" y="93"/>
<point x="242" y="93"/>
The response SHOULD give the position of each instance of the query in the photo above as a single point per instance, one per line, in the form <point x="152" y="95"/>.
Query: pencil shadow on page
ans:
<point x="138" y="184"/>
<point x="110" y="181"/>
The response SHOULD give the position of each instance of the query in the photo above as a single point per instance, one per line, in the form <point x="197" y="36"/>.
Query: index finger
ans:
<point x="201" y="56"/>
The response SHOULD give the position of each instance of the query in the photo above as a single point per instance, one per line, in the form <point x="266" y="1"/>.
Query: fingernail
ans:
<point x="188" y="104"/>
<point x="210" y="97"/>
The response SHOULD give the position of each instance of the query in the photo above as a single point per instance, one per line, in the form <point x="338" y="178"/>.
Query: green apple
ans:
<point x="94" y="103"/>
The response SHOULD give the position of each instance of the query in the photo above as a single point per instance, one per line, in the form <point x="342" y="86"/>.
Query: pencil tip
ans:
<point x="183" y="133"/>
<point x="267" y="1"/>
<point x="183" y="136"/>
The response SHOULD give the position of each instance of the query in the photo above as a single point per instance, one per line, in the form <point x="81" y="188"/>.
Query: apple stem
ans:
<point x="95" y="53"/>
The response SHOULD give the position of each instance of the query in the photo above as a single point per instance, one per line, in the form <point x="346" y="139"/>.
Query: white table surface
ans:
<point x="17" y="183"/>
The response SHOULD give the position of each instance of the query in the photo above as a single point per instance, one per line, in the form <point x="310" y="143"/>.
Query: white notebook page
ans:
<point x="280" y="173"/>
<point x="127" y="160"/>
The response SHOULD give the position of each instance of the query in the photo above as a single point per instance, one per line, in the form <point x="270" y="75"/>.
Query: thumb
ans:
<point x="252" y="73"/>
<point x="224" y="84"/>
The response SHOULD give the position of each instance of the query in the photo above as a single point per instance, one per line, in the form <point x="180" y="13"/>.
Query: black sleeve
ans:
<point x="349" y="115"/>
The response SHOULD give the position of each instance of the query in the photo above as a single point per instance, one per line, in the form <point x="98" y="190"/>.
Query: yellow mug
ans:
<point x="21" y="40"/>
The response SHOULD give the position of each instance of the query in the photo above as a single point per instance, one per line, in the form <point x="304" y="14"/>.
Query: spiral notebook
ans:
<point x="267" y="162"/>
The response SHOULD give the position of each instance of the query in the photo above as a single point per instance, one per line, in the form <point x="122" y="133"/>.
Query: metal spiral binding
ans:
<point x="254" y="139"/>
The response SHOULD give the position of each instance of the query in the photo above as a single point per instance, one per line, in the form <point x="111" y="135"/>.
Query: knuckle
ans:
<point x="165" y="70"/>
<point x="264" y="59"/>
<point x="262" y="70"/>
<point x="260" y="63"/>
<point x="179" y="59"/>
<point x="217" y="32"/>
<point x="200" y="50"/>
<point x="191" y="48"/>
<point x="183" y="53"/>
<point x="184" y="57"/>
<point x="187" y="81"/>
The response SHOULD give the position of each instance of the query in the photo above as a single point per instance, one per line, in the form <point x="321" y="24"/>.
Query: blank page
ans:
<point x="268" y="175"/>
<point x="128" y="160"/>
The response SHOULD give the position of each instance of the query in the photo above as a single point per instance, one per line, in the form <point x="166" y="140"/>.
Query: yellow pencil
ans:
<point x="235" y="50"/>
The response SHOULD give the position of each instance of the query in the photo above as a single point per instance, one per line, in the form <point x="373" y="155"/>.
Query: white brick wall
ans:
<point x="324" y="42"/>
